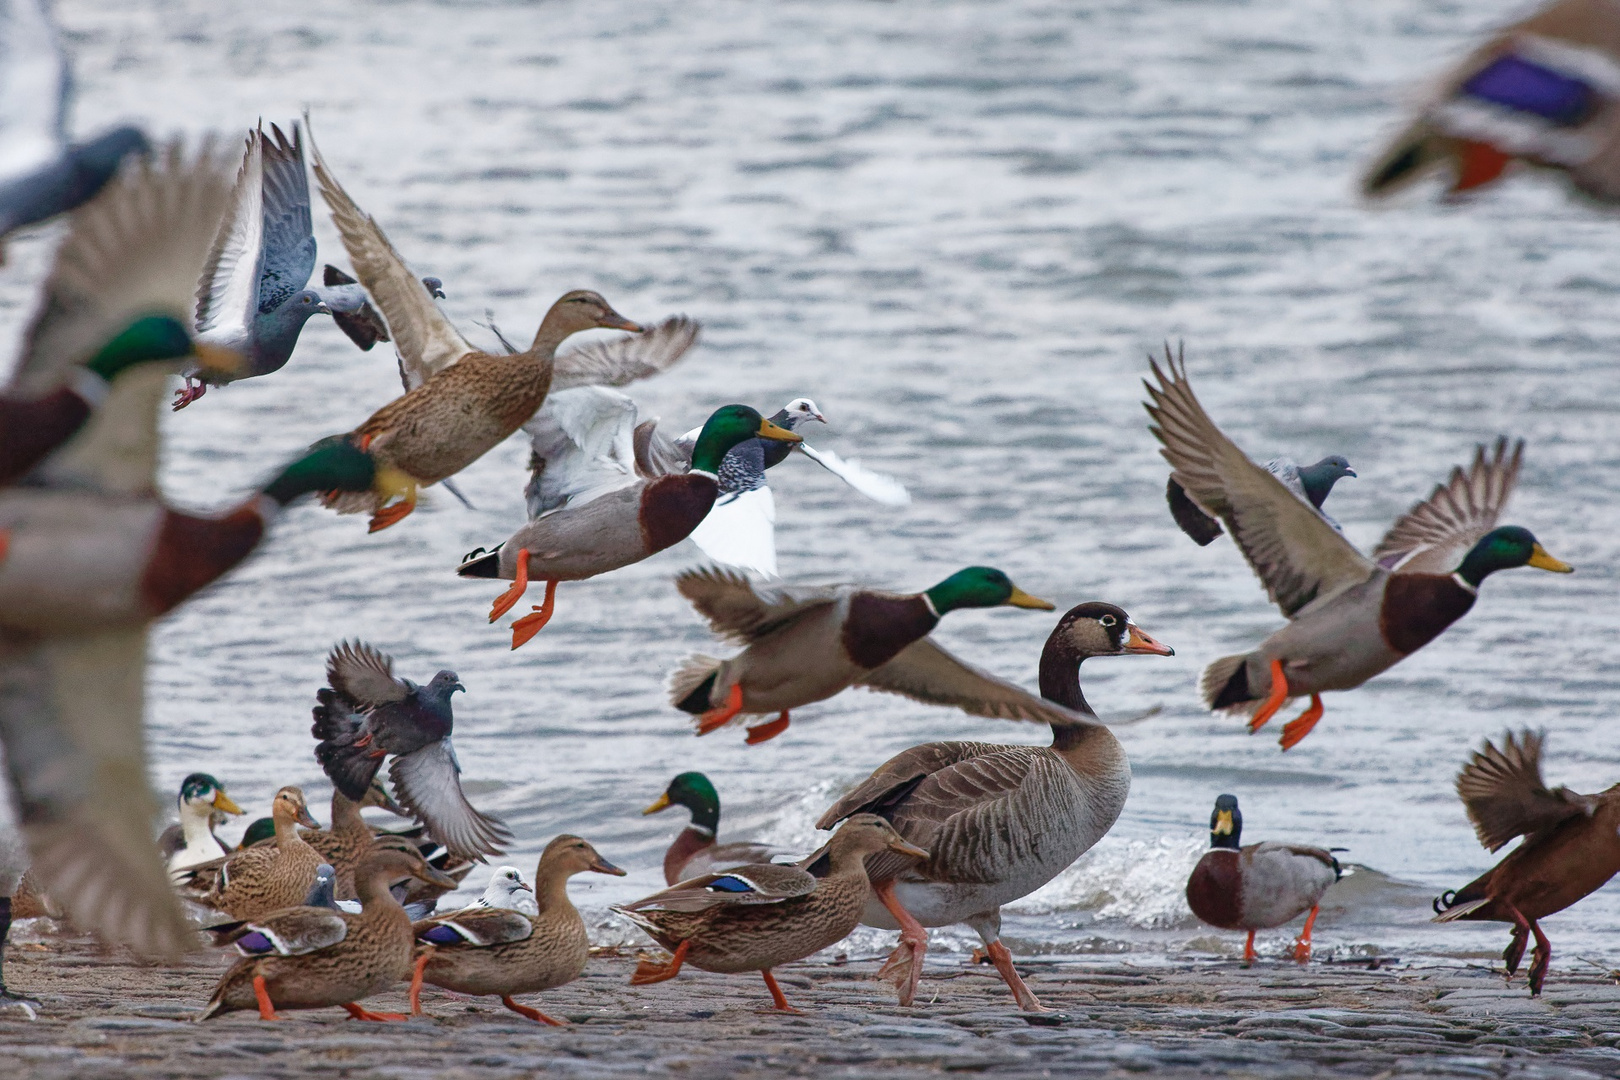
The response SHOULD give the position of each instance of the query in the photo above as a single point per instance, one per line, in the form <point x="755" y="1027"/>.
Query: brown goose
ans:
<point x="483" y="950"/>
<point x="267" y="877"/>
<point x="999" y="821"/>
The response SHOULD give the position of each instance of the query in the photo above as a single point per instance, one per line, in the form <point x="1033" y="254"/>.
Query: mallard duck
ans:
<point x="807" y="644"/>
<point x="1351" y="617"/>
<point x="754" y="918"/>
<point x="1571" y="847"/>
<point x="999" y="821"/>
<point x="254" y="297"/>
<point x="694" y="851"/>
<point x="1259" y="886"/>
<point x="366" y="714"/>
<point x="1313" y="483"/>
<point x="350" y="838"/>
<point x="508" y="891"/>
<point x="313" y="957"/>
<point x="482" y="950"/>
<point x="267" y="877"/>
<point x="1543" y="91"/>
<point x="461" y="402"/>
<point x="192" y="841"/>
<point x="615" y="529"/>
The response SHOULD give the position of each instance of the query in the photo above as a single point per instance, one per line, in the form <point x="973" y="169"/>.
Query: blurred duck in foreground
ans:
<point x="695" y="852"/>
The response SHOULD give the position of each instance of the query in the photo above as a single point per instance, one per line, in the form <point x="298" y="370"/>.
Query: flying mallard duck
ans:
<point x="807" y="644"/>
<point x="998" y="821"/>
<point x="616" y="528"/>
<point x="754" y="918"/>
<point x="192" y="841"/>
<point x="1259" y="886"/>
<point x="694" y="851"/>
<point x="1571" y="847"/>
<point x="1351" y="617"/>
<point x="485" y="950"/>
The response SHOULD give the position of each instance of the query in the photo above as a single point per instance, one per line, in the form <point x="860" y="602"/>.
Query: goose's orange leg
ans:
<point x="720" y="717"/>
<point x="904" y="965"/>
<point x="525" y="628"/>
<point x="267" y="1008"/>
<point x="1248" y="950"/>
<point x="416" y="980"/>
<point x="768" y="731"/>
<point x="999" y="956"/>
<point x="392" y="515"/>
<point x="358" y="1013"/>
<point x="648" y="972"/>
<point x="532" y="1014"/>
<point x="504" y="602"/>
<point x="1301" y="725"/>
<point x="780" y="1002"/>
<point x="1274" y="700"/>
<point x="1302" y="945"/>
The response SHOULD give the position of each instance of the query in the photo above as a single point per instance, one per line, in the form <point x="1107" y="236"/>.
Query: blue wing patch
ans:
<point x="1518" y="84"/>
<point x="253" y="943"/>
<point x="439" y="934"/>
<point x="729" y="884"/>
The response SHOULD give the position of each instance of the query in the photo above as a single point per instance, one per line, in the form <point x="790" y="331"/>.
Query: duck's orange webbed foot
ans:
<point x="1302" y="944"/>
<point x="1274" y="700"/>
<point x="1479" y="164"/>
<point x="532" y="1014"/>
<point x="779" y="1001"/>
<point x="392" y="514"/>
<point x="718" y="718"/>
<point x="267" y="1009"/>
<point x="520" y="584"/>
<point x="1248" y="950"/>
<point x="1299" y="727"/>
<point x="416" y="979"/>
<point x="358" y="1013"/>
<point x="525" y="628"/>
<point x="768" y="731"/>
<point x="648" y="972"/>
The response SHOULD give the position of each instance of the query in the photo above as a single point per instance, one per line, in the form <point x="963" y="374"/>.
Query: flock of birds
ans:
<point x="198" y="263"/>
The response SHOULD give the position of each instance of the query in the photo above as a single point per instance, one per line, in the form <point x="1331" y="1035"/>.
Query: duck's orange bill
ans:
<point x="1138" y="642"/>
<point x="1543" y="561"/>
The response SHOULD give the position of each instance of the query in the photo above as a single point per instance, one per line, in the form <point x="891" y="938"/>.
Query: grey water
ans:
<point x="960" y="228"/>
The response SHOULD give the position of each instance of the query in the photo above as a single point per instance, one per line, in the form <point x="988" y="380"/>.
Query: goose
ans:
<point x="999" y="821"/>
<point x="1351" y="617"/>
<point x="694" y="851"/>
<point x="192" y="841"/>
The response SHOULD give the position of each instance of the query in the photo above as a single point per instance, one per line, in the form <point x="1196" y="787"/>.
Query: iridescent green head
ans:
<point x="261" y="829"/>
<point x="693" y="791"/>
<point x="979" y="587"/>
<point x="1504" y="549"/>
<point x="154" y="339"/>
<point x="728" y="426"/>
<point x="203" y="791"/>
<point x="333" y="464"/>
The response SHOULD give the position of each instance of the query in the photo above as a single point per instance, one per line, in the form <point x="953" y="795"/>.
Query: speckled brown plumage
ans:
<point x="268" y="877"/>
<point x="346" y="843"/>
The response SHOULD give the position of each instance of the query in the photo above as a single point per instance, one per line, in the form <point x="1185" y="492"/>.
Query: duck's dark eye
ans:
<point x="1108" y="620"/>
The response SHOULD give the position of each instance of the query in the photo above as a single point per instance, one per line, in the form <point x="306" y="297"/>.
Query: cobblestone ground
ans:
<point x="107" y="1017"/>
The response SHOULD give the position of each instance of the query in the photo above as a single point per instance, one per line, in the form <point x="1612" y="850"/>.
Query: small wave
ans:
<point x="1139" y="882"/>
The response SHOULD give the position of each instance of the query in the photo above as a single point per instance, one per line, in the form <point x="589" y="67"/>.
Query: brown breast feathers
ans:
<point x="192" y="551"/>
<point x="1215" y="890"/>
<point x="880" y="626"/>
<point x="1417" y="607"/>
<point x="672" y="506"/>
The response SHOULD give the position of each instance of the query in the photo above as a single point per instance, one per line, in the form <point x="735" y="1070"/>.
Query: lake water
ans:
<point x="960" y="228"/>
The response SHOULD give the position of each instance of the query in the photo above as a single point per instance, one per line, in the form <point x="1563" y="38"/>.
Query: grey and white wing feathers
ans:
<point x="1433" y="536"/>
<point x="427" y="782"/>
<point x="228" y="291"/>
<point x="879" y="487"/>
<point x="581" y="442"/>
<point x="925" y="672"/>
<point x="621" y="360"/>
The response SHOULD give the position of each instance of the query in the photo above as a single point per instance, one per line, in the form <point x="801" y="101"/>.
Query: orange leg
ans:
<point x="532" y="1014"/>
<point x="1302" y="945"/>
<point x="504" y="602"/>
<point x="649" y="972"/>
<point x="393" y="515"/>
<point x="525" y="628"/>
<point x="1274" y="700"/>
<point x="719" y="718"/>
<point x="780" y="1003"/>
<point x="357" y="1013"/>
<point x="1301" y="725"/>
<point x="1248" y="950"/>
<point x="1022" y="994"/>
<point x="768" y="731"/>
<point x="904" y="965"/>
<point x="267" y="1009"/>
<point x="5" y="543"/>
<point x="416" y="979"/>
<point x="1481" y="163"/>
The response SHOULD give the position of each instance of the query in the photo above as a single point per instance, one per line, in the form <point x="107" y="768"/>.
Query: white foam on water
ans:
<point x="1139" y="883"/>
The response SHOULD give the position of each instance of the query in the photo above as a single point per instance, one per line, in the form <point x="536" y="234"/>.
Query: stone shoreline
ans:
<point x="106" y="1016"/>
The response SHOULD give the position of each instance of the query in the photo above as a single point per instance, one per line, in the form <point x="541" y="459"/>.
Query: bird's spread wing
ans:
<point x="621" y="360"/>
<point x="925" y="672"/>
<point x="293" y="932"/>
<point x="426" y="339"/>
<point x="657" y="454"/>
<point x="581" y="443"/>
<point x="1506" y="797"/>
<point x="228" y="290"/>
<point x="760" y="883"/>
<point x="477" y="926"/>
<point x="896" y="778"/>
<point x="289" y="238"/>
<point x="33" y="88"/>
<point x="427" y="782"/>
<point x="740" y="530"/>
<point x="1433" y="536"/>
<point x="364" y="675"/>
<point x="1296" y="554"/>
<point x="877" y="486"/>
<point x="737" y="611"/>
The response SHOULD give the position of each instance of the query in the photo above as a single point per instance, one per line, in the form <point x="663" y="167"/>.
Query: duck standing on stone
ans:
<point x="1351" y="617"/>
<point x="1571" y="847"/>
<point x="694" y="852"/>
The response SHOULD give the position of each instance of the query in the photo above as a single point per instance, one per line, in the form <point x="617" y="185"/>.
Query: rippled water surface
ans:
<point x="959" y="228"/>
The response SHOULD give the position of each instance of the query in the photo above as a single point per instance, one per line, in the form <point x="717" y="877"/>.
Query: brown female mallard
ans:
<point x="270" y="876"/>
<point x="350" y="838"/>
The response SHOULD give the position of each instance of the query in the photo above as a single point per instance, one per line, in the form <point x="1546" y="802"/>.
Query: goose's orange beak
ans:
<point x="1138" y="642"/>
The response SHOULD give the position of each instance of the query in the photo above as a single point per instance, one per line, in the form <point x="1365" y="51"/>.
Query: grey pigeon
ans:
<point x="1311" y="483"/>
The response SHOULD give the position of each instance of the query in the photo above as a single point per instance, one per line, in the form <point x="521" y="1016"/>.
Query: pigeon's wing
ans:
<point x="1297" y="555"/>
<point x="33" y="88"/>
<point x="740" y="530"/>
<point x="879" y="487"/>
<point x="426" y="339"/>
<point x="1433" y="536"/>
<point x="137" y="249"/>
<point x="476" y="926"/>
<point x="1506" y="797"/>
<point x="739" y="611"/>
<point x="925" y="672"/>
<point x="289" y="236"/>
<point x="362" y="324"/>
<point x="364" y="675"/>
<point x="657" y="454"/>
<point x="760" y="883"/>
<point x="428" y="784"/>
<point x="581" y="447"/>
<point x="621" y="360"/>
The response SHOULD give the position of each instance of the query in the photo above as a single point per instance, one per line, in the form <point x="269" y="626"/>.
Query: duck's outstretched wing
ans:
<point x="760" y="883"/>
<point x="427" y="782"/>
<point x="1297" y="555"/>
<point x="426" y="339"/>
<point x="657" y="454"/>
<point x="739" y="611"/>
<point x="581" y="446"/>
<point x="621" y="360"/>
<point x="1433" y="536"/>
<point x="925" y="672"/>
<point x="1506" y="797"/>
<point x="879" y="487"/>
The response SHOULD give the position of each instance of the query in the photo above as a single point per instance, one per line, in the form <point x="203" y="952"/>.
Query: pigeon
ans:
<point x="1312" y="483"/>
<point x="507" y="889"/>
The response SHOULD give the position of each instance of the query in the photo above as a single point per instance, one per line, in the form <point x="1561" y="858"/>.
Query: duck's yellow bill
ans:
<point x="223" y="802"/>
<point x="908" y="849"/>
<point x="1020" y="598"/>
<point x="1543" y="561"/>
<point x="1223" y="823"/>
<point x="768" y="430"/>
<point x="661" y="804"/>
<point x="220" y="359"/>
<point x="1138" y="642"/>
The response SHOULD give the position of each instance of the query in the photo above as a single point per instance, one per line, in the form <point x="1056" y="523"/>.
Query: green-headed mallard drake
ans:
<point x="350" y="838"/>
<point x="316" y="957"/>
<point x="1571" y="847"/>
<point x="998" y="821"/>
<point x="192" y="841"/>
<point x="694" y="851"/>
<point x="461" y="402"/>
<point x="1351" y="617"/>
<point x="1542" y="91"/>
<point x="486" y="950"/>
<point x="807" y="644"/>
<point x="754" y="918"/>
<point x="617" y="528"/>
<point x="267" y="877"/>
<point x="1259" y="886"/>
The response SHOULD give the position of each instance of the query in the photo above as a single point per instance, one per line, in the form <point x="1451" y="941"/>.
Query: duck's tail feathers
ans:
<point x="1225" y="684"/>
<point x="1450" y="911"/>
<point x="1418" y="150"/>
<point x="351" y="768"/>
<point x="480" y="563"/>
<point x="216" y="1005"/>
<point x="691" y="684"/>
